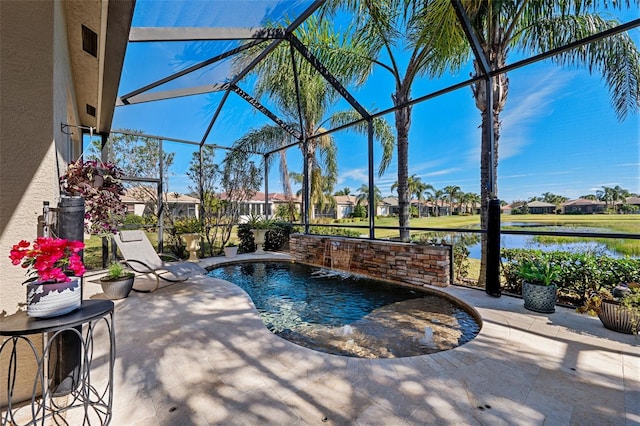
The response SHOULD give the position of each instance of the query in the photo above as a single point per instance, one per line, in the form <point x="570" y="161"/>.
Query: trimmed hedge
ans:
<point x="580" y="273"/>
<point x="276" y="238"/>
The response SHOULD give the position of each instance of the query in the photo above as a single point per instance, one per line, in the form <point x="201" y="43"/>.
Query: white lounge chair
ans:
<point x="139" y="255"/>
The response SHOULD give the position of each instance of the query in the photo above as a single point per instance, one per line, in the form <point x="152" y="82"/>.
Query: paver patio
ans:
<point x="198" y="353"/>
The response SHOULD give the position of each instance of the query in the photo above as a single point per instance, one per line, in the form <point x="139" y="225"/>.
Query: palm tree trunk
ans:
<point x="310" y="156"/>
<point x="500" y="89"/>
<point x="403" y="122"/>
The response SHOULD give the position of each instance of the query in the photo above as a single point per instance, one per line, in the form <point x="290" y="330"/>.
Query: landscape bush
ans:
<point x="580" y="273"/>
<point x="340" y="232"/>
<point x="276" y="238"/>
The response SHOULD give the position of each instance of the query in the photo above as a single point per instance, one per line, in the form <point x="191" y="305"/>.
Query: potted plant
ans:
<point x="55" y="266"/>
<point x="259" y="227"/>
<point x="231" y="250"/>
<point x="618" y="310"/>
<point x="118" y="282"/>
<point x="189" y="229"/>
<point x="539" y="290"/>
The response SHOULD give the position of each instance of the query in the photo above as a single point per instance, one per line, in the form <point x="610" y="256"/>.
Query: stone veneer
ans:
<point x="406" y="263"/>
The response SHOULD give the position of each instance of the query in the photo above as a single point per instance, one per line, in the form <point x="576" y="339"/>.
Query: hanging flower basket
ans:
<point x="100" y="185"/>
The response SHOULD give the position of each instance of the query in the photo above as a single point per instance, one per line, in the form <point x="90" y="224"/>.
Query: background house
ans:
<point x="255" y="205"/>
<point x="143" y="201"/>
<point x="540" y="207"/>
<point x="583" y="206"/>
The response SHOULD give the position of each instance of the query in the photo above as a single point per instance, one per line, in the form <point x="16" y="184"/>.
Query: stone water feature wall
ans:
<point x="407" y="263"/>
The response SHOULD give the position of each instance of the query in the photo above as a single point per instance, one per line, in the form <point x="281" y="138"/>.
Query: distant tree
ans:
<point x="452" y="192"/>
<point x="416" y="188"/>
<point x="589" y="197"/>
<point x="475" y="200"/>
<point x="344" y="191"/>
<point x="226" y="186"/>
<point x="138" y="156"/>
<point x="363" y="196"/>
<point x="436" y="196"/>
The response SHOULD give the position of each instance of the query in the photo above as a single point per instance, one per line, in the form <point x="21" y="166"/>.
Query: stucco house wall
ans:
<point x="36" y="91"/>
<point x="40" y="61"/>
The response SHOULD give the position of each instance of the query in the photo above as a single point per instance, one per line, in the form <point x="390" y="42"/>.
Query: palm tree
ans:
<point x="475" y="200"/>
<point x="464" y="199"/>
<point x="274" y="79"/>
<point x="619" y="194"/>
<point x="452" y="192"/>
<point x="536" y="27"/>
<point x="435" y="196"/>
<point x="605" y="194"/>
<point x="344" y="191"/>
<point x="363" y="196"/>
<point x="416" y="187"/>
<point x="425" y="32"/>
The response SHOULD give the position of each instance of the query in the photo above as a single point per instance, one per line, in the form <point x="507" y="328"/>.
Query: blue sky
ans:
<point x="559" y="132"/>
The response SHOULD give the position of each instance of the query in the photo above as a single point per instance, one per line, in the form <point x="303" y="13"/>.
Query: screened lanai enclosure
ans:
<point x="316" y="94"/>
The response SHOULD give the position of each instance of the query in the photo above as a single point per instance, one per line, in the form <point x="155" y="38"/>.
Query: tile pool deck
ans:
<point x="197" y="353"/>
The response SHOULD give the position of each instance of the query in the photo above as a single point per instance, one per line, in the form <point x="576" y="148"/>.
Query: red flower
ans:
<point x="49" y="258"/>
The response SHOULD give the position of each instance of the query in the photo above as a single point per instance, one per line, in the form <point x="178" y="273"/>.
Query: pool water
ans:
<point x="348" y="315"/>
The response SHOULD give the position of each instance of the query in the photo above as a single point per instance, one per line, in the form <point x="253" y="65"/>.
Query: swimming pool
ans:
<point x="348" y="315"/>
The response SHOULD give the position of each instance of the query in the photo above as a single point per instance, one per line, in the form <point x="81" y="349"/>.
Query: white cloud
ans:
<point x="442" y="172"/>
<point x="359" y="175"/>
<point x="522" y="112"/>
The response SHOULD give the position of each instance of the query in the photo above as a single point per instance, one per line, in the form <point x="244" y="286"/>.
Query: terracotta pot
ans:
<point x="46" y="300"/>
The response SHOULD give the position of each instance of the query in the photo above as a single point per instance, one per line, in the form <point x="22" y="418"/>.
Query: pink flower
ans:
<point x="49" y="258"/>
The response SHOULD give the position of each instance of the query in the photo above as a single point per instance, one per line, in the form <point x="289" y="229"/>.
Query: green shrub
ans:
<point x="341" y="232"/>
<point x="579" y="274"/>
<point x="133" y="221"/>
<point x="276" y="238"/>
<point x="359" y="211"/>
<point x="187" y="225"/>
<point x="247" y="243"/>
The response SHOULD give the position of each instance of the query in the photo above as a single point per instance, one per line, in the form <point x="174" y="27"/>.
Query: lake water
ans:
<point x="527" y="241"/>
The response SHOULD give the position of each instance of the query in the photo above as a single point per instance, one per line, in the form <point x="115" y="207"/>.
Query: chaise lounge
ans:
<point x="139" y="255"/>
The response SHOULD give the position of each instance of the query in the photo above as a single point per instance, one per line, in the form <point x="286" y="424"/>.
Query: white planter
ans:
<point x="46" y="300"/>
<point x="230" y="251"/>
<point x="193" y="245"/>
<point x="258" y="238"/>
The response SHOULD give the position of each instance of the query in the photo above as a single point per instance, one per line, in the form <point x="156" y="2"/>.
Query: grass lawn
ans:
<point x="614" y="223"/>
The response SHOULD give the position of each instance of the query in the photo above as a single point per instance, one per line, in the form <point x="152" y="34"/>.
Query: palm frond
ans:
<point x="616" y="58"/>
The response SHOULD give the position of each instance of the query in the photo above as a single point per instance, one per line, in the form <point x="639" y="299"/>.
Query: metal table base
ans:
<point x="93" y="399"/>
